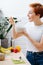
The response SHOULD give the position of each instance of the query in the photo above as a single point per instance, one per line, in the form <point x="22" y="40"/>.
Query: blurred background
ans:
<point x="16" y="8"/>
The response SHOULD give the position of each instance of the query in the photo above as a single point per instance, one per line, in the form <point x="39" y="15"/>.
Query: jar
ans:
<point x="2" y="56"/>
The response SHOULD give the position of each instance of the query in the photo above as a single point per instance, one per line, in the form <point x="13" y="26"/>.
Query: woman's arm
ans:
<point x="38" y="45"/>
<point x="15" y="33"/>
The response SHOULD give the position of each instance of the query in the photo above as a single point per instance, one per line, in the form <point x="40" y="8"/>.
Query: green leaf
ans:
<point x="1" y="36"/>
<point x="9" y="28"/>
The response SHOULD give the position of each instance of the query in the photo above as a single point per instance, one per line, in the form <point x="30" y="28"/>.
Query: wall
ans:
<point x="16" y="8"/>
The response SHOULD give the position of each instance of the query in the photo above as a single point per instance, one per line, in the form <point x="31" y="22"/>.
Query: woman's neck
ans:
<point x="38" y="22"/>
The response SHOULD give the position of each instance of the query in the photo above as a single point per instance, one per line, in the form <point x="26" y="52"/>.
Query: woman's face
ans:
<point x="31" y="14"/>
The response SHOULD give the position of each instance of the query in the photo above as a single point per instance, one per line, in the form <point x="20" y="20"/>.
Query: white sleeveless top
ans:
<point x="35" y="33"/>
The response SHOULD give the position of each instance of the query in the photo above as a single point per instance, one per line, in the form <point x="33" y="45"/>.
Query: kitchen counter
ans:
<point x="14" y="56"/>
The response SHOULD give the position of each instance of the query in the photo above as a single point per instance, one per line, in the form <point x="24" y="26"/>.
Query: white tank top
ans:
<point x="35" y="33"/>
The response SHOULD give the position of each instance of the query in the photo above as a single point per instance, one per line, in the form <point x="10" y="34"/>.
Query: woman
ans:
<point x="35" y="35"/>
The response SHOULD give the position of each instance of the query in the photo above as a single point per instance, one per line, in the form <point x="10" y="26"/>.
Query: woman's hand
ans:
<point x="24" y="32"/>
<point x="11" y="20"/>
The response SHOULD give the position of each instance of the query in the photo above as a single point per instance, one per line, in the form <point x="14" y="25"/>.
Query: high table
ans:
<point x="15" y="56"/>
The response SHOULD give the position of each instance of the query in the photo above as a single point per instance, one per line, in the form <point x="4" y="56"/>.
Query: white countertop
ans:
<point x="14" y="56"/>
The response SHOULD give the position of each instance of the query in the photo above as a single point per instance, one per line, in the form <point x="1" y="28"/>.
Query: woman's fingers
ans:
<point x="11" y="20"/>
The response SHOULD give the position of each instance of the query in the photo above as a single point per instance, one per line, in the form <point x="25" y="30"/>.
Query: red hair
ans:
<point x="38" y="8"/>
